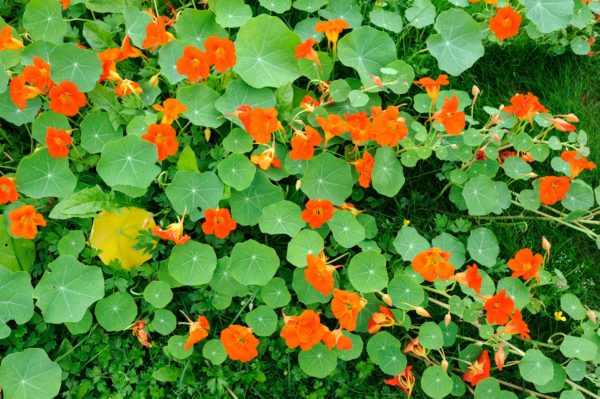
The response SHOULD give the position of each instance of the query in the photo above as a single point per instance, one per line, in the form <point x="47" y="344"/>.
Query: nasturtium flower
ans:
<point x="563" y="125"/>
<point x="20" y="92"/>
<point x="470" y="278"/>
<point x="364" y="166"/>
<point x="38" y="74"/>
<point x="66" y="99"/>
<point x="139" y="330"/>
<point x="450" y="117"/>
<point x="478" y="370"/>
<point x="332" y="30"/>
<point x="266" y="159"/>
<point x="24" y="222"/>
<point x="525" y="264"/>
<point x="260" y="123"/>
<point x="8" y="190"/>
<point x="304" y="330"/>
<point x="558" y="316"/>
<point x="156" y="35"/>
<point x="109" y="58"/>
<point x="360" y="125"/>
<point x="524" y="106"/>
<point x="577" y="163"/>
<point x="336" y="339"/>
<point x="239" y="343"/>
<point x="170" y="108"/>
<point x="306" y="50"/>
<point x="221" y="52"/>
<point x="383" y="318"/>
<point x="505" y="24"/>
<point x="218" y="222"/>
<point x="432" y="87"/>
<point x="319" y="274"/>
<point x="65" y="4"/>
<point x="433" y="263"/>
<point x="317" y="213"/>
<point x="332" y="126"/>
<point x="304" y="143"/>
<point x="58" y="141"/>
<point x="164" y="138"/>
<point x="499" y="308"/>
<point x="387" y="127"/>
<point x="173" y="232"/>
<point x="309" y="104"/>
<point x="415" y="348"/>
<point x="516" y="325"/>
<point x="405" y="381"/>
<point x="345" y="306"/>
<point x="198" y="331"/>
<point x="126" y="87"/>
<point x="347" y="206"/>
<point x="553" y="189"/>
<point x="128" y="51"/>
<point x="7" y="42"/>
<point x="194" y="63"/>
<point x="500" y="357"/>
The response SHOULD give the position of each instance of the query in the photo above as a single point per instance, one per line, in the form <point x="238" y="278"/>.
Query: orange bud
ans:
<point x="546" y="245"/>
<point x="571" y="118"/>
<point x="387" y="299"/>
<point x="475" y="90"/>
<point x="422" y="312"/>
<point x="154" y="80"/>
<point x="500" y="357"/>
<point x="447" y="319"/>
<point x="445" y="365"/>
<point x="207" y="134"/>
<point x="591" y="314"/>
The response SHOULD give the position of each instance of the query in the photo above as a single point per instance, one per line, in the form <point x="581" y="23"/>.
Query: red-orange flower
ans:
<point x="7" y="42"/>
<point x="505" y="24"/>
<point x="156" y="35"/>
<point x="553" y="189"/>
<point x="525" y="264"/>
<point x="387" y="127"/>
<point x="66" y="99"/>
<point x="109" y="58"/>
<point x="309" y="104"/>
<point x="332" y="126"/>
<point x="173" y="232"/>
<point x="239" y="343"/>
<point x="406" y="381"/>
<point x="332" y="30"/>
<point x="479" y="369"/>
<point x="8" y="190"/>
<point x="58" y="141"/>
<point x="416" y="348"/>
<point x="218" y="222"/>
<point x="319" y="274"/>
<point x="170" y="108"/>
<point x="128" y="51"/>
<point x="470" y="278"/>
<point x="499" y="308"/>
<point x="449" y="116"/>
<point x="65" y="4"/>
<point x="336" y="338"/>
<point x="194" y="63"/>
<point x="38" y="74"/>
<point x="304" y="143"/>
<point x="139" y="330"/>
<point x="516" y="325"/>
<point x="433" y="263"/>
<point x="221" y="52"/>
<point x="524" y="106"/>
<point x="383" y="318"/>
<point x="266" y="159"/>
<point x="317" y="213"/>
<point x="304" y="330"/>
<point x="306" y="50"/>
<point x="364" y="167"/>
<point x="163" y="137"/>
<point x="345" y="306"/>
<point x="260" y="123"/>
<point x="359" y="127"/>
<point x="577" y="163"/>
<point x="20" y="92"/>
<point x="432" y="87"/>
<point x="24" y="222"/>
<point x="126" y="87"/>
<point x="198" y="331"/>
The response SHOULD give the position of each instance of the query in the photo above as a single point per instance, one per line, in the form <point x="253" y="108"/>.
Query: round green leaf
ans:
<point x="483" y="246"/>
<point x="238" y="93"/>
<point x="355" y="351"/>
<point x="158" y="294"/>
<point x="223" y="281"/>
<point x="580" y="197"/>
<point x="409" y="243"/>
<point x="536" y="368"/>
<point x="387" y="176"/>
<point x="16" y="116"/>
<point x="576" y="370"/>
<point x="366" y="49"/>
<point x="30" y="375"/>
<point x="17" y="254"/>
<point x="347" y="231"/>
<point x="43" y="21"/>
<point x="318" y="362"/>
<point x="557" y="383"/>
<point x="16" y="299"/>
<point x="253" y="263"/>
<point x="516" y="290"/>
<point x="278" y="6"/>
<point x="421" y="14"/>
<point x="579" y="348"/>
<point x="135" y="23"/>
<point x="304" y="243"/>
<point x="487" y="388"/>
<point x="247" y="205"/>
<point x="572" y="306"/>
<point x="387" y="20"/>
<point x="580" y="46"/>
<point x="263" y="320"/>
<point x="309" y="5"/>
<point x="283" y="217"/>
<point x="348" y="10"/>
<point x="40" y="175"/>
<point x="431" y="336"/>
<point x="275" y="293"/>
<point x="367" y="272"/>
<point x="447" y="242"/>
<point x="175" y="347"/>
<point x="82" y="326"/>
<point x="71" y="244"/>
<point x="571" y="395"/>
<point x="237" y="171"/>
<point x="327" y="177"/>
<point x="97" y="131"/>
<point x="200" y="101"/>
<point x="116" y="312"/>
<point x="191" y="190"/>
<point x="436" y="383"/>
<point x="164" y="322"/>
<point x="195" y="26"/>
<point x="481" y="195"/>
<point x="516" y="168"/>
<point x="192" y="263"/>
<point x="403" y="290"/>
<point x="168" y="55"/>
<point x="549" y="15"/>
<point x="232" y="13"/>
<point x="381" y="343"/>
<point x="47" y="119"/>
<point x="239" y="142"/>
<point x="77" y="65"/>
<point x="530" y="199"/>
<point x="214" y="351"/>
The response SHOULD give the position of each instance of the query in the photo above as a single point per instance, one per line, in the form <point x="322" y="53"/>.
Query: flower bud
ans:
<point x="386" y="299"/>
<point x="500" y="357"/>
<point x="445" y="365"/>
<point x="207" y="134"/>
<point x="447" y="319"/>
<point x="298" y="184"/>
<point x="422" y="312"/>
<point x="591" y="314"/>
<point x="154" y="80"/>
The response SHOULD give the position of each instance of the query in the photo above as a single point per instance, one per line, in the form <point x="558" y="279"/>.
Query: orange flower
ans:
<point x="65" y="4"/>
<point x="505" y="24"/>
<point x="309" y="104"/>
<point x="319" y="274"/>
<point x="260" y="123"/>
<point x="332" y="30"/>
<point x="66" y="99"/>
<point x="156" y="35"/>
<point x="347" y="206"/>
<point x="170" y="108"/>
<point x="304" y="143"/>
<point x="20" y="92"/>
<point x="336" y="338"/>
<point x="8" y="190"/>
<point x="359" y="127"/>
<point x="109" y="58"/>
<point x="198" y="331"/>
<point x="478" y="370"/>
<point x="333" y="126"/>
<point x="163" y="137"/>
<point x="306" y="50"/>
<point x="432" y="87"/>
<point x="194" y="63"/>
<point x="388" y="127"/>
<point x="173" y="232"/>
<point x="218" y="222"/>
<point x="525" y="264"/>
<point x="24" y="221"/>
<point x="577" y="163"/>
<point x="126" y="87"/>
<point x="500" y="357"/>
<point x="139" y="330"/>
<point x="499" y="308"/>
<point x="58" y="141"/>
<point x="266" y="159"/>
<point x="7" y="42"/>
<point x="562" y="125"/>
<point x="239" y="343"/>
<point x="470" y="278"/>
<point x="449" y="116"/>
<point x="383" y="318"/>
<point x="406" y="381"/>
<point x="433" y="263"/>
<point x="128" y="51"/>
<point x="416" y="348"/>
<point x="317" y="213"/>
<point x="516" y="325"/>
<point x="553" y="189"/>
<point x="38" y="74"/>
<point x="364" y="166"/>
<point x="304" y="331"/>
<point x="524" y="106"/>
<point x="221" y="52"/>
<point x="345" y="306"/>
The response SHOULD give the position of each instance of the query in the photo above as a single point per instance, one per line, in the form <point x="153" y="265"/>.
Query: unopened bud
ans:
<point x="531" y="175"/>
<point x="500" y="357"/>
<point x="475" y="90"/>
<point x="298" y="184"/>
<point x="445" y="365"/>
<point x="571" y="118"/>
<point x="447" y="319"/>
<point x="496" y="137"/>
<point x="377" y="81"/>
<point x="154" y="80"/>
<point x="386" y="299"/>
<point x="592" y="315"/>
<point x="546" y="244"/>
<point x="207" y="133"/>
<point x="422" y="312"/>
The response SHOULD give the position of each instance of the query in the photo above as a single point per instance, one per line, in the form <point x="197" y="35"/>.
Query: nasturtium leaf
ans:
<point x="129" y="161"/>
<point x="347" y="231"/>
<point x="11" y="113"/>
<point x="578" y="348"/>
<point x="136" y="22"/>
<point x="306" y="292"/>
<point x="191" y="190"/>
<point x="247" y="205"/>
<point x="238" y="93"/>
<point x="200" y="101"/>
<point x="275" y="293"/>
<point x="192" y="263"/>
<point x="43" y="21"/>
<point x="480" y="195"/>
<point x="238" y="141"/>
<point x="16" y="299"/>
<point x="549" y="15"/>
<point x="530" y="199"/>
<point x="67" y="289"/>
<point x="387" y="176"/>
<point x="39" y="127"/>
<point x="431" y="336"/>
<point x="404" y="291"/>
<point x="158" y="294"/>
<point x="483" y="246"/>
<point x="309" y="5"/>
<point x="536" y="367"/>
<point x="516" y="168"/>
<point x="339" y="90"/>
<point x="71" y="243"/>
<point x="262" y="320"/>
<point x="387" y="20"/>
<point x="300" y="246"/>
<point x="580" y="196"/>
<point x="237" y="171"/>
<point x="82" y="326"/>
<point x="164" y="322"/>
<point x="30" y="375"/>
<point x="116" y="312"/>
<point x="40" y="175"/>
<point x="421" y="14"/>
<point x="39" y="48"/>
<point x="457" y="44"/>
<point x="98" y="35"/>
<point x="221" y="301"/>
<point x="16" y="254"/>
<point x="166" y="374"/>
<point x="400" y="81"/>
<point x="278" y="6"/>
<point x="381" y="343"/>
<point x="409" y="243"/>
<point x="516" y="290"/>
<point x="97" y="131"/>
<point x="348" y="10"/>
<point x="175" y="347"/>
<point x="580" y="46"/>
<point x="214" y="351"/>
<point x="223" y="281"/>
<point x="487" y="388"/>
<point x="367" y="271"/>
<point x="232" y="13"/>
<point x="265" y="52"/>
<point x="573" y="394"/>
<point x="447" y="242"/>
<point x="366" y="49"/>
<point x="436" y="383"/>
<point x="327" y="177"/>
<point x="85" y="203"/>
<point x="195" y="26"/>
<point x="572" y="306"/>
<point x="556" y="384"/>
<point x="253" y="263"/>
<point x="449" y="331"/>
<point x="355" y="351"/>
<point x="576" y="370"/>
<point x="283" y="217"/>
<point x="392" y="361"/>
<point x="318" y="362"/>
<point x="77" y="65"/>
<point x="168" y="55"/>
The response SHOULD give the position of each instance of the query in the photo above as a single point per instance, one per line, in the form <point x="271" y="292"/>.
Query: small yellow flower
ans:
<point x="406" y="222"/>
<point x="559" y="316"/>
